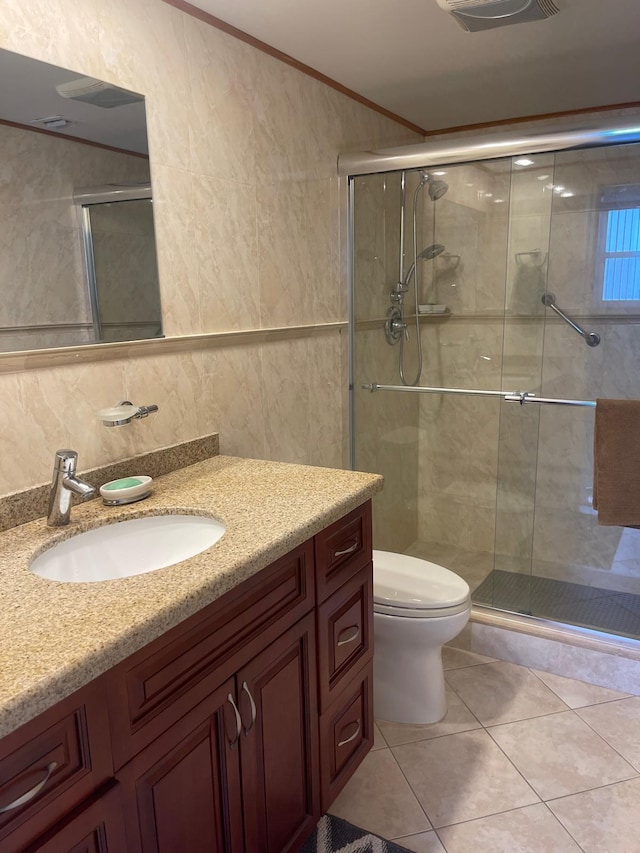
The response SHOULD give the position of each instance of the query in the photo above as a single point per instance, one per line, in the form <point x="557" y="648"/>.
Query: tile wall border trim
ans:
<point x="14" y="362"/>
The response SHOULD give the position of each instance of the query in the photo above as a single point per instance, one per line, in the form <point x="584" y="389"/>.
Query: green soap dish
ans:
<point x="126" y="490"/>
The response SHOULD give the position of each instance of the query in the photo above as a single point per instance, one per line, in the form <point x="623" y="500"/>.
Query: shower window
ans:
<point x="620" y="239"/>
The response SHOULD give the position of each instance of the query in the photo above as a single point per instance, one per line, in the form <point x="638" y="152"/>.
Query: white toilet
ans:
<point x="418" y="606"/>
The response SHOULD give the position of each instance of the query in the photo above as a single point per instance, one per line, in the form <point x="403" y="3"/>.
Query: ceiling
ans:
<point x="412" y="58"/>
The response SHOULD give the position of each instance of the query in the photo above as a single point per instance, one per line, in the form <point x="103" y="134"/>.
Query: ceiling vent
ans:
<point x="98" y="93"/>
<point x="476" y="15"/>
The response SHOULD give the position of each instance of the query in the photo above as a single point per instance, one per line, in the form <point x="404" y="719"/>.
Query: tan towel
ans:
<point x="616" y="462"/>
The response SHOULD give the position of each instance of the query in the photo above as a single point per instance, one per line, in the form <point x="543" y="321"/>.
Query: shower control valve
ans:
<point x="394" y="326"/>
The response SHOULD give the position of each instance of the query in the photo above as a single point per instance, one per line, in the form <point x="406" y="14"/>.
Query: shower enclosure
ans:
<point x="523" y="279"/>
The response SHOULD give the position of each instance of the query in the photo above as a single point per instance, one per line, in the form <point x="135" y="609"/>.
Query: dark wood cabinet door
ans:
<point x="279" y="745"/>
<point x="182" y="793"/>
<point x="98" y="828"/>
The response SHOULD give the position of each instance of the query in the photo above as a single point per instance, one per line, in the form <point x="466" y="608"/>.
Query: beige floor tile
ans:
<point x="503" y="692"/>
<point x="425" y="842"/>
<point x="378" y="739"/>
<point x="378" y="798"/>
<point x="462" y="776"/>
<point x="578" y="694"/>
<point x="559" y="754"/>
<point x="529" y="830"/>
<point x="606" y="820"/>
<point x="457" y="658"/>
<point x="619" y="724"/>
<point x="457" y="719"/>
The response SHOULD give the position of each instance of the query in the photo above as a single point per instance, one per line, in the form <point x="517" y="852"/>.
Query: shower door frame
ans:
<point x="457" y="152"/>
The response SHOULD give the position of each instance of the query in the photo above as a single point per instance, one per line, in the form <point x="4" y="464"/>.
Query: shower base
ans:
<point x="562" y="601"/>
<point x="612" y="611"/>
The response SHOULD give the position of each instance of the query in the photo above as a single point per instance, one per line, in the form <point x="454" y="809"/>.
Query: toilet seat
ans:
<point x="406" y="586"/>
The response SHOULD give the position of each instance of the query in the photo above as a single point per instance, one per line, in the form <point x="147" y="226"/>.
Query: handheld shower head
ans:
<point x="427" y="254"/>
<point x="431" y="252"/>
<point x="437" y="188"/>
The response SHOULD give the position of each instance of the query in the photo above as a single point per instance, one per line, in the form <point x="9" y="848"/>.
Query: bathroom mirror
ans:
<point x="77" y="253"/>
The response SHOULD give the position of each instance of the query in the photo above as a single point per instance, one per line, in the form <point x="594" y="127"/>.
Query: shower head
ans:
<point x="437" y="188"/>
<point x="431" y="252"/>
<point x="427" y="254"/>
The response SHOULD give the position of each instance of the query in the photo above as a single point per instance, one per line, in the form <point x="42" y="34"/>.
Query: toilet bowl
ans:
<point x="418" y="606"/>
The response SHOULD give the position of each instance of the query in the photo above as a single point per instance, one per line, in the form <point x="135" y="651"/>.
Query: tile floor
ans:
<point x="523" y="762"/>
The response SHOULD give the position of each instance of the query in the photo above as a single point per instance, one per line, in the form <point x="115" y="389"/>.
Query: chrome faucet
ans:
<point x="63" y="484"/>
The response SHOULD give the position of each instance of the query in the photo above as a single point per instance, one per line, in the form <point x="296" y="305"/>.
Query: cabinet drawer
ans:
<point x="98" y="828"/>
<point x="345" y="633"/>
<point x="342" y="549"/>
<point x="153" y="688"/>
<point x="346" y="734"/>
<point x="51" y="764"/>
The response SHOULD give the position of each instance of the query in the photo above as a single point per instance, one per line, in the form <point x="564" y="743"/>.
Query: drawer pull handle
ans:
<point x="355" y="633"/>
<point x="348" y="550"/>
<point x="351" y="737"/>
<point x="30" y="795"/>
<point x="233" y="742"/>
<point x="253" y="707"/>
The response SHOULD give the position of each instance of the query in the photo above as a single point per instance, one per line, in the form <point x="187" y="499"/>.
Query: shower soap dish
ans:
<point x="432" y="308"/>
<point x="127" y="490"/>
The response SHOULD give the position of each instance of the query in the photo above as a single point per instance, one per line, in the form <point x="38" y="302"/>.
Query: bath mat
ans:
<point x="334" y="835"/>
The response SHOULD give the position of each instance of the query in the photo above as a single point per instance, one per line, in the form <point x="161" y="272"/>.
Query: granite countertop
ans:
<point x="56" y="637"/>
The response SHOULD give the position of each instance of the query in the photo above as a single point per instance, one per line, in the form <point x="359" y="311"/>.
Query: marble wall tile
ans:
<point x="143" y="47"/>
<point x="65" y="39"/>
<point x="282" y="254"/>
<point x="232" y="399"/>
<point x="286" y="392"/>
<point x="228" y="282"/>
<point x="326" y="396"/>
<point x="174" y="384"/>
<point x="175" y="219"/>
<point x="223" y="103"/>
<point x="56" y="408"/>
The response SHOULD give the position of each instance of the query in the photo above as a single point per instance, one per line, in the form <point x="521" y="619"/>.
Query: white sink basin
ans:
<point x="128" y="548"/>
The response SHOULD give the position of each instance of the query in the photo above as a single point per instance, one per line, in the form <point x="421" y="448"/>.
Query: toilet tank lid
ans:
<point x="403" y="581"/>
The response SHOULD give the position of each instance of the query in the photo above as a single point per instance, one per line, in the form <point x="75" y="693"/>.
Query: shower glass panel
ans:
<point x="501" y="493"/>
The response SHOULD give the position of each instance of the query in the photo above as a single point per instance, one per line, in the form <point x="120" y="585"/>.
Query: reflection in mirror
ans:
<point x="77" y="265"/>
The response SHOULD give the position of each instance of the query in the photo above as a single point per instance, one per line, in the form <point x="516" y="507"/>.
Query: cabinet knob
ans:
<point x="32" y="793"/>
<point x="348" y="550"/>
<point x="233" y="742"/>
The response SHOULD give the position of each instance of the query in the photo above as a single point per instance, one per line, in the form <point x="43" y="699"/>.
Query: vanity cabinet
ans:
<point x="50" y="765"/>
<point x="232" y="732"/>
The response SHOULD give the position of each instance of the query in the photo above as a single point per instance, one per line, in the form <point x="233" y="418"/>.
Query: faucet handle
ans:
<point x="65" y="460"/>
